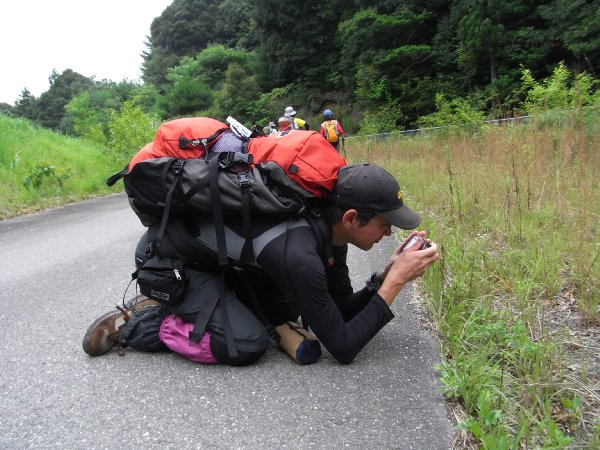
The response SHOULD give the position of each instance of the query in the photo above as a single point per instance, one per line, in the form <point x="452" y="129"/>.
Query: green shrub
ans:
<point x="129" y="130"/>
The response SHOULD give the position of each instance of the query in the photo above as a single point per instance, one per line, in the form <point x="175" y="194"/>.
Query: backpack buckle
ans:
<point x="177" y="166"/>
<point x="243" y="179"/>
<point x="149" y="250"/>
<point x="226" y="159"/>
<point x="225" y="163"/>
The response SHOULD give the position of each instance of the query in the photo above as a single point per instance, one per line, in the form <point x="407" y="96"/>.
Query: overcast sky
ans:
<point x="101" y="39"/>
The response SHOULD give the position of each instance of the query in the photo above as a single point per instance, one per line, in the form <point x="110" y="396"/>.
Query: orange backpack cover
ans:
<point x="305" y="157"/>
<point x="185" y="138"/>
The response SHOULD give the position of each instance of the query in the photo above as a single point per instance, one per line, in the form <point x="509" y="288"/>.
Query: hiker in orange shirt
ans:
<point x="285" y="123"/>
<point x="331" y="129"/>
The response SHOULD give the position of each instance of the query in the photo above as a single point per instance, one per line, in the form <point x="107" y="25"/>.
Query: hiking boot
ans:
<point x="104" y="334"/>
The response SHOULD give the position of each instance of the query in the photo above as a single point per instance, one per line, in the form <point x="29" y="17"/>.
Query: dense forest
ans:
<point x="380" y="65"/>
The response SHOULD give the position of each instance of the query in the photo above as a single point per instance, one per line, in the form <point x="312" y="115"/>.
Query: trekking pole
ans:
<point x="344" y="147"/>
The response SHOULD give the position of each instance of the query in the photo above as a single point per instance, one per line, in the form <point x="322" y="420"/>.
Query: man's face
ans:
<point x="367" y="235"/>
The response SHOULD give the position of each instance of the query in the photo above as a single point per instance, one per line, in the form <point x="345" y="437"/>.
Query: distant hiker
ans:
<point x="297" y="123"/>
<point x="331" y="129"/>
<point x="285" y="124"/>
<point x="300" y="270"/>
<point x="270" y="129"/>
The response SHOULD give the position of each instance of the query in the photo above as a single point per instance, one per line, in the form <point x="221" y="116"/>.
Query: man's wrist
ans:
<point x="388" y="293"/>
<point x="385" y="271"/>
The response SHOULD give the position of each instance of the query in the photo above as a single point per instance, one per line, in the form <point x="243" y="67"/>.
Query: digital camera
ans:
<point x="415" y="240"/>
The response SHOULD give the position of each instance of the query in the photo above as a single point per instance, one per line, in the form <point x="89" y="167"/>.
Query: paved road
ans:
<point x="62" y="268"/>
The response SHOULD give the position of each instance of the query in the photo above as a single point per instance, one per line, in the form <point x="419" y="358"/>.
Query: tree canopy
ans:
<point x="376" y="61"/>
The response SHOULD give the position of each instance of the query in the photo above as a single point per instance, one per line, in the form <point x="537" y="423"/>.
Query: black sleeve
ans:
<point x="340" y="288"/>
<point x="306" y="277"/>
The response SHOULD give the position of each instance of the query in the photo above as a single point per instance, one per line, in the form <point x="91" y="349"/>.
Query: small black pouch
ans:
<point x="162" y="279"/>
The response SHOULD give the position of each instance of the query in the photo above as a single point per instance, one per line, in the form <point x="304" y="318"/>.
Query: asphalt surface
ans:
<point x="62" y="268"/>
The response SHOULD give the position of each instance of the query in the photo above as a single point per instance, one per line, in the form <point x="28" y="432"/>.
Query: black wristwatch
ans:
<point x="374" y="283"/>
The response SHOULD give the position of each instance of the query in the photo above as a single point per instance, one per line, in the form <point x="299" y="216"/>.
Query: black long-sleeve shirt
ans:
<point x="343" y="320"/>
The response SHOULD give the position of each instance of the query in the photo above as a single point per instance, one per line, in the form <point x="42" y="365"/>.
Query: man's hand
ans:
<point x="404" y="267"/>
<point x="399" y="250"/>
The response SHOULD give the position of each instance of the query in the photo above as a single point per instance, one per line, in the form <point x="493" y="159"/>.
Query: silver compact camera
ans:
<point x="415" y="240"/>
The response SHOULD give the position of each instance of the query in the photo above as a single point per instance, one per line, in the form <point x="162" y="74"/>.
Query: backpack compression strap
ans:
<point x="213" y="177"/>
<point x="117" y="176"/>
<point x="176" y="167"/>
<point x="223" y="161"/>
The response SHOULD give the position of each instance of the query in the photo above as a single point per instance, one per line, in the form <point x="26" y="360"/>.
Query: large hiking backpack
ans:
<point x="331" y="131"/>
<point x="274" y="175"/>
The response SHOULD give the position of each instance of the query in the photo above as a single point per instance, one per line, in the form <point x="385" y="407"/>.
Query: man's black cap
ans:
<point x="367" y="187"/>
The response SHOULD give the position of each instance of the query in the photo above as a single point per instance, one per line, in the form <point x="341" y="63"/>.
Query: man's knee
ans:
<point x="249" y="334"/>
<point x="250" y="346"/>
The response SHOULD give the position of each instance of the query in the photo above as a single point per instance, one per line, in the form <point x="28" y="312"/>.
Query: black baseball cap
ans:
<point x="367" y="187"/>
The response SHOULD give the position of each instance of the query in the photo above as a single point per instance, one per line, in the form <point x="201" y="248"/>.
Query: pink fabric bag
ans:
<point x="174" y="333"/>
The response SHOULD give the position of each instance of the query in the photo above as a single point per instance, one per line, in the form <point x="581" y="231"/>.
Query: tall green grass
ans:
<point x="56" y="169"/>
<point x="515" y="211"/>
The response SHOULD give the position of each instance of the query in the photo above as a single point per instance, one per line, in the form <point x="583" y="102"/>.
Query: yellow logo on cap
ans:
<point x="399" y="195"/>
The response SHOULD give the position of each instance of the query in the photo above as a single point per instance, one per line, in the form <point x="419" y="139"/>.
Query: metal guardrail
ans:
<point x="416" y="131"/>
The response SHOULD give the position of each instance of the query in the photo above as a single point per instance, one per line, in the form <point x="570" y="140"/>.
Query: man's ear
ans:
<point x="350" y="218"/>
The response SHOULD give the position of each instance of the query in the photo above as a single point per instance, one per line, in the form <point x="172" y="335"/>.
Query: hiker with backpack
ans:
<point x="331" y="129"/>
<point x="297" y="123"/>
<point x="247" y="233"/>
<point x="272" y="128"/>
<point x="284" y="124"/>
<point x="299" y="269"/>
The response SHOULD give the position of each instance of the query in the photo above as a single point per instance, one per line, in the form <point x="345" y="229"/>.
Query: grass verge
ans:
<point x="41" y="169"/>
<point x="515" y="211"/>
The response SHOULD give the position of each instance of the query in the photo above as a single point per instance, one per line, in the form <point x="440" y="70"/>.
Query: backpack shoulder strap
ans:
<point x="110" y="181"/>
<point x="320" y="229"/>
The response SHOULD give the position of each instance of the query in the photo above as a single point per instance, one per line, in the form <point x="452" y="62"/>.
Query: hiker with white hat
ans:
<point x="297" y="123"/>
